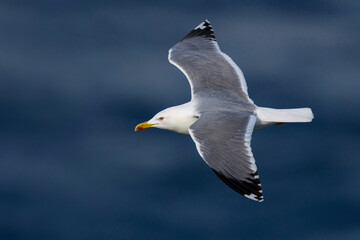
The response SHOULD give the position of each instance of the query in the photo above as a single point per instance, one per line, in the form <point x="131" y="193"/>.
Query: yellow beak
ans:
<point x="142" y="126"/>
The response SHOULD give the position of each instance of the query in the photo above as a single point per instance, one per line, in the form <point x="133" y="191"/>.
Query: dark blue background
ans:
<point x="77" y="76"/>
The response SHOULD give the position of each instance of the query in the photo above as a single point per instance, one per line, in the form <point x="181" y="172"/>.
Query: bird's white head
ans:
<point x="160" y="120"/>
<point x="178" y="119"/>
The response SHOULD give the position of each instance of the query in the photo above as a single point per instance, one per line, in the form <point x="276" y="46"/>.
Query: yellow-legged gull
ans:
<point x="220" y="117"/>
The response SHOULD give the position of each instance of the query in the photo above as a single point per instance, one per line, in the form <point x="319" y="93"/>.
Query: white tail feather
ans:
<point x="270" y="116"/>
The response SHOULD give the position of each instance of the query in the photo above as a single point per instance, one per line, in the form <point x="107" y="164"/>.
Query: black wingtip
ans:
<point x="250" y="189"/>
<point x="204" y="29"/>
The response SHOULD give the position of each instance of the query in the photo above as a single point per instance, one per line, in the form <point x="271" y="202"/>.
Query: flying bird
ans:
<point x="220" y="116"/>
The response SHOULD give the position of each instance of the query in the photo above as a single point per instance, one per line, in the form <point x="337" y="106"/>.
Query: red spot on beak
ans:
<point x="142" y="126"/>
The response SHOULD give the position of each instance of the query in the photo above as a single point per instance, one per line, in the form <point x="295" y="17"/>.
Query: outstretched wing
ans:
<point x="199" y="57"/>
<point x="223" y="141"/>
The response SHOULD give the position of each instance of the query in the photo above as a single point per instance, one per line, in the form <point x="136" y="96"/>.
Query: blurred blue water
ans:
<point x="77" y="76"/>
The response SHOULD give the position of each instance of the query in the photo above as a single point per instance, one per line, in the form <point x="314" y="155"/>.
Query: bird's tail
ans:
<point x="271" y="116"/>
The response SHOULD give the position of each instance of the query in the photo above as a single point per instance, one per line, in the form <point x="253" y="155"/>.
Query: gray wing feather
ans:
<point x="207" y="69"/>
<point x="223" y="141"/>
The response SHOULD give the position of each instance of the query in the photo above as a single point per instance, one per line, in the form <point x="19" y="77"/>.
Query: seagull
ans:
<point x="220" y="117"/>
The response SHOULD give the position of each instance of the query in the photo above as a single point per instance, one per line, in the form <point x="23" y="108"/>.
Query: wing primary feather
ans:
<point x="203" y="30"/>
<point x="250" y="189"/>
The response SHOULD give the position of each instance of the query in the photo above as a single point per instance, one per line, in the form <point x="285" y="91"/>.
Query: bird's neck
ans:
<point x="182" y="117"/>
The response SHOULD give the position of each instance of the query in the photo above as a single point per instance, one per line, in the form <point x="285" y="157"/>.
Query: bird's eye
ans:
<point x="161" y="118"/>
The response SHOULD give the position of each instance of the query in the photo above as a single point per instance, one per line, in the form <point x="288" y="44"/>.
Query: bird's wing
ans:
<point x="223" y="141"/>
<point x="208" y="69"/>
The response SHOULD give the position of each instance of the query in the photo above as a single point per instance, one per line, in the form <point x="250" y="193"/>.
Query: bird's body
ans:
<point x="220" y="117"/>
